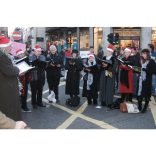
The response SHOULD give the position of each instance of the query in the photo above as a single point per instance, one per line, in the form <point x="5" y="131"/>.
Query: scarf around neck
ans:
<point x="142" y="76"/>
<point x="107" y="58"/>
<point x="90" y="76"/>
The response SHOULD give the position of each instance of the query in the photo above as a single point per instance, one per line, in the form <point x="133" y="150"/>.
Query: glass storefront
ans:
<point x="97" y="39"/>
<point x="128" y="38"/>
<point x="84" y="40"/>
<point x="153" y="38"/>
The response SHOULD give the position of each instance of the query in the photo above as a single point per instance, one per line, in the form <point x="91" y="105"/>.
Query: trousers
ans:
<point x="24" y="97"/>
<point x="53" y="82"/>
<point x="36" y="89"/>
<point x="153" y="84"/>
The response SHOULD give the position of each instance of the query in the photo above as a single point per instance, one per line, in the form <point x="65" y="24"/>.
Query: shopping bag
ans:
<point x="132" y="108"/>
<point x="51" y="97"/>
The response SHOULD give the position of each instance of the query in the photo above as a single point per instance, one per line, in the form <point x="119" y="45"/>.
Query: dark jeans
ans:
<point x="24" y="98"/>
<point x="53" y="82"/>
<point x="135" y="78"/>
<point x="36" y="89"/>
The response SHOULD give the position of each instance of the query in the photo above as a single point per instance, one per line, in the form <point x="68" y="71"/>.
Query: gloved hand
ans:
<point x="143" y="69"/>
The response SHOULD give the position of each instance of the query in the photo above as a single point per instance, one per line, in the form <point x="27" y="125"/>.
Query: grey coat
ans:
<point x="107" y="83"/>
<point x="9" y="91"/>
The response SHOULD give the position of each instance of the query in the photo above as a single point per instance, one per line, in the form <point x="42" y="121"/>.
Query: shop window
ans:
<point x="84" y="40"/>
<point x="97" y="39"/>
<point x="153" y="39"/>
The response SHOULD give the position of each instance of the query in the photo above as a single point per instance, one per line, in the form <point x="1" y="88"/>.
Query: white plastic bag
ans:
<point x="51" y="97"/>
<point x="132" y="108"/>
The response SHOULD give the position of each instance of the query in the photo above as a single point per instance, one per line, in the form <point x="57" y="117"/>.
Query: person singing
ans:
<point x="107" y="78"/>
<point x="54" y="71"/>
<point x="145" y="79"/>
<point x="90" y="83"/>
<point x="126" y="76"/>
<point x="38" y="76"/>
<point x="73" y="76"/>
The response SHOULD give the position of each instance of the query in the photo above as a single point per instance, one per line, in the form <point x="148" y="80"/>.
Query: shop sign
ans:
<point x="84" y="54"/>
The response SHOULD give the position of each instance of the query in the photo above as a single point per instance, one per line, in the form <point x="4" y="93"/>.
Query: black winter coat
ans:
<point x="54" y="70"/>
<point x="93" y="92"/>
<point x="73" y="78"/>
<point x="136" y="62"/>
<point x="147" y="84"/>
<point x="38" y="74"/>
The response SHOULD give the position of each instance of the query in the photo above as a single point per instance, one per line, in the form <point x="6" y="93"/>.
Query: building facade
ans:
<point x="84" y="37"/>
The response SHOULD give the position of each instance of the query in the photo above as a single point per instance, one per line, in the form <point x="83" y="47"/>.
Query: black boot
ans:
<point x="95" y="101"/>
<point x="145" y="107"/>
<point x="89" y="101"/>
<point x="140" y="103"/>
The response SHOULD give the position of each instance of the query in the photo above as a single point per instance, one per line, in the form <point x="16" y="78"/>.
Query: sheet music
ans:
<point x="20" y="59"/>
<point x="23" y="67"/>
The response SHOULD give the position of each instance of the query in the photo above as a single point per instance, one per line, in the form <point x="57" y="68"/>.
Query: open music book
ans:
<point x="135" y="68"/>
<point x="23" y="67"/>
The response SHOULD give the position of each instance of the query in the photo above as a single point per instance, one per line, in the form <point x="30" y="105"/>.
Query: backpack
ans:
<point x="116" y="104"/>
<point x="74" y="101"/>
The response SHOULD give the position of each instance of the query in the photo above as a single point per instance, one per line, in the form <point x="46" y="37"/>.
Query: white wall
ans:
<point x="41" y="33"/>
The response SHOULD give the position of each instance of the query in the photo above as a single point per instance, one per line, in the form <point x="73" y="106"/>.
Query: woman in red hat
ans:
<point x="126" y="76"/>
<point x="107" y="78"/>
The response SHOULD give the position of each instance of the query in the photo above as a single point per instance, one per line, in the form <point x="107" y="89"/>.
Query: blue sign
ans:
<point x="75" y="46"/>
<point x="65" y="46"/>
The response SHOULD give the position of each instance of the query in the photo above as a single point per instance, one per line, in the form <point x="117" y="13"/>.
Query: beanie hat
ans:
<point x="145" y="50"/>
<point x="19" y="51"/>
<point x="4" y="41"/>
<point x="74" y="51"/>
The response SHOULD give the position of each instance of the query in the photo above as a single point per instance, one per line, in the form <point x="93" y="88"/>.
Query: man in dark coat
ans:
<point x="54" y="71"/>
<point x="73" y="75"/>
<point x="9" y="90"/>
<point x="38" y="76"/>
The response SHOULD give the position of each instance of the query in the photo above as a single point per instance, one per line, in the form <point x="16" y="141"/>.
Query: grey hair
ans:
<point x="52" y="47"/>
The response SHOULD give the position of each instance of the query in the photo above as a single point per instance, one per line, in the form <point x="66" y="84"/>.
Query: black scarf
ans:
<point x="124" y="73"/>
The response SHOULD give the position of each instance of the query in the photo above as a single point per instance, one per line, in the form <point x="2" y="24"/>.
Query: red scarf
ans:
<point x="23" y="83"/>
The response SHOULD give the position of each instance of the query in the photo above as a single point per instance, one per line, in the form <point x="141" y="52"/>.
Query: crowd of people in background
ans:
<point x="101" y="79"/>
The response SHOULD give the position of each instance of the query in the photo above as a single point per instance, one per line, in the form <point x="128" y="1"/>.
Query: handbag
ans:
<point x="123" y="107"/>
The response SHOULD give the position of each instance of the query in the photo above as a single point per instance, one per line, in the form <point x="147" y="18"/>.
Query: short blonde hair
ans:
<point x="52" y="47"/>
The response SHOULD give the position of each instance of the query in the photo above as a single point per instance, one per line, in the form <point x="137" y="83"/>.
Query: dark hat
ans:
<point x="74" y="51"/>
<point x="145" y="50"/>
